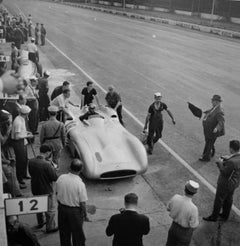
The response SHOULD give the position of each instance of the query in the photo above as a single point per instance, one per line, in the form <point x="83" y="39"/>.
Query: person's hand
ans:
<point x="215" y="130"/>
<point x="86" y="219"/>
<point x="29" y="135"/>
<point x="10" y="82"/>
<point x="174" y="122"/>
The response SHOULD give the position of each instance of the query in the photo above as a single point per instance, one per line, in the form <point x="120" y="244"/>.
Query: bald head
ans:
<point x="76" y="165"/>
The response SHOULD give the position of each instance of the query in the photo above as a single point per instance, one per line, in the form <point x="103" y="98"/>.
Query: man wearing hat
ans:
<point x="213" y="127"/>
<point x="184" y="214"/>
<point x="43" y="99"/>
<point x="154" y="121"/>
<point x="228" y="181"/>
<point x="53" y="134"/>
<point x="19" y="137"/>
<point x="32" y="49"/>
<point x="43" y="175"/>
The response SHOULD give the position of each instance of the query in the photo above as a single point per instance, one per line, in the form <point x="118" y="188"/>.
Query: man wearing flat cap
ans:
<point x="154" y="121"/>
<point x="53" y="134"/>
<point x="213" y="127"/>
<point x="19" y="137"/>
<point x="185" y="216"/>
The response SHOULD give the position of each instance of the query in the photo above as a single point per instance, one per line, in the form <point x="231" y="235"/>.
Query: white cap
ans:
<point x="47" y="73"/>
<point x="192" y="186"/>
<point x="33" y="78"/>
<point x="92" y="105"/>
<point x="24" y="109"/>
<point x="53" y="109"/>
<point x="32" y="39"/>
<point x="157" y="94"/>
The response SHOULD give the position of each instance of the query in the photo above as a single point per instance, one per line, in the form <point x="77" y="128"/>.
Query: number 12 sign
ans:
<point x="26" y="205"/>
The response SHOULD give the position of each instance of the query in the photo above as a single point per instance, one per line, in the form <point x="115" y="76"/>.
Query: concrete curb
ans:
<point x="206" y="29"/>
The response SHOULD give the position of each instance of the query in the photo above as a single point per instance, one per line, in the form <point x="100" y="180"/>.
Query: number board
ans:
<point x="4" y="58"/>
<point x="2" y="40"/>
<point x="26" y="205"/>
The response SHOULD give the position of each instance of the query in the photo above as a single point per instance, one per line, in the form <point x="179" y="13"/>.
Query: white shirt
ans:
<point x="30" y="92"/>
<point x="60" y="101"/>
<point x="183" y="211"/>
<point x="32" y="48"/>
<point x="19" y="127"/>
<point x="70" y="189"/>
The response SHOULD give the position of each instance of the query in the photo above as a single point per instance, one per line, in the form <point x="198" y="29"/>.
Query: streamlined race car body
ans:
<point x="106" y="148"/>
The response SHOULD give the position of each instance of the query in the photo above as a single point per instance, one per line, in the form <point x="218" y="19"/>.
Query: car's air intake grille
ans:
<point x="118" y="174"/>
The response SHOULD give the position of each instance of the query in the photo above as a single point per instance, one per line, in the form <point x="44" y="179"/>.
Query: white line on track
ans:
<point x="171" y="151"/>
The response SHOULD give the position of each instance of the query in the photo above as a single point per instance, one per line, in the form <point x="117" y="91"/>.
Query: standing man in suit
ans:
<point x="129" y="226"/>
<point x="213" y="127"/>
<point x="228" y="181"/>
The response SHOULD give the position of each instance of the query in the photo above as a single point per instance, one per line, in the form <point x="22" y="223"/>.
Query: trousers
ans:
<point x="154" y="134"/>
<point x="208" y="148"/>
<point x="223" y="200"/>
<point x="50" y="215"/>
<point x="179" y="236"/>
<point x="70" y="224"/>
<point x="20" y="151"/>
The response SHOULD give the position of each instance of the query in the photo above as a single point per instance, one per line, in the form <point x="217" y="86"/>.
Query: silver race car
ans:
<point x="106" y="148"/>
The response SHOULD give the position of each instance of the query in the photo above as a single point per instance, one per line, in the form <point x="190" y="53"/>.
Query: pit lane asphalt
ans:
<point x="183" y="65"/>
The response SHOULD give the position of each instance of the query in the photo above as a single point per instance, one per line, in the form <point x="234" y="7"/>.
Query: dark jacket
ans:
<point x="43" y="175"/>
<point x="230" y="174"/>
<point x="128" y="228"/>
<point x="56" y="92"/>
<point x="213" y="118"/>
<point x="24" y="236"/>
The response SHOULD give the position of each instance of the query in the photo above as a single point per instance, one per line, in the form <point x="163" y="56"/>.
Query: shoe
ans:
<point x="222" y="217"/>
<point x="149" y="152"/>
<point x="21" y="182"/>
<point x="210" y="218"/>
<point x="39" y="226"/>
<point x="204" y="159"/>
<point x="27" y="177"/>
<point x="52" y="230"/>
<point x="22" y="186"/>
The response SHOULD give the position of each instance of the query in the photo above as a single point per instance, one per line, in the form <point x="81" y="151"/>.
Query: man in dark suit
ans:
<point x="128" y="227"/>
<point x="228" y="181"/>
<point x="213" y="127"/>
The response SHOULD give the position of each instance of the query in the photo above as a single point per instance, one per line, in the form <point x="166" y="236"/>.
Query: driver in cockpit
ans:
<point x="91" y="111"/>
